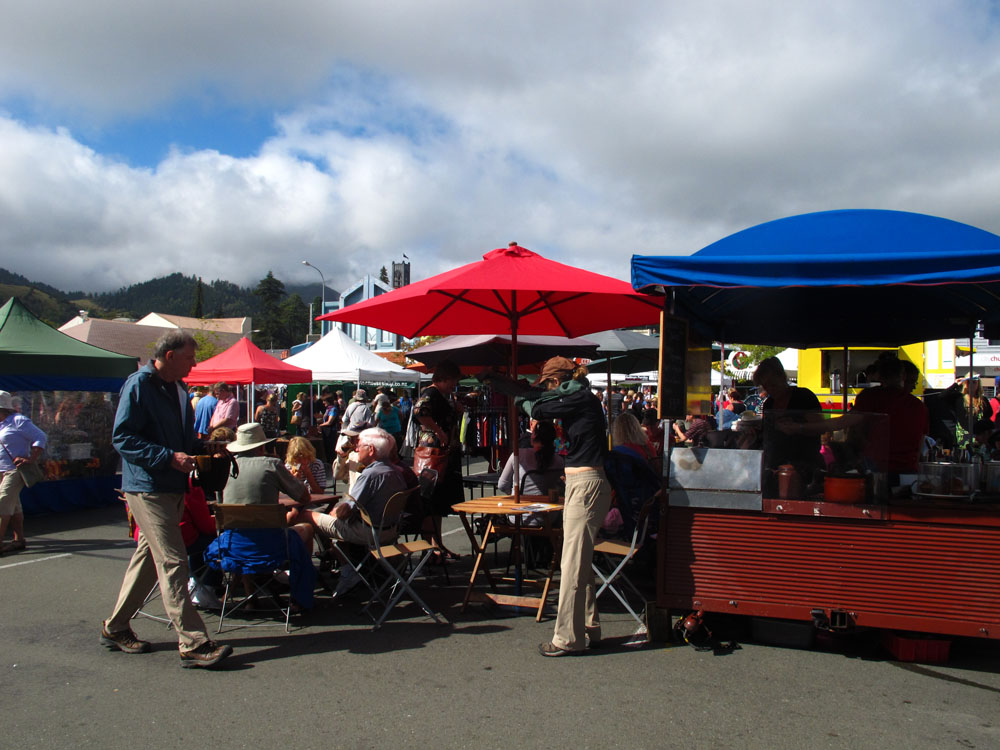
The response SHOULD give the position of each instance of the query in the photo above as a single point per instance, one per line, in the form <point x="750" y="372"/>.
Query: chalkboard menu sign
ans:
<point x="672" y="390"/>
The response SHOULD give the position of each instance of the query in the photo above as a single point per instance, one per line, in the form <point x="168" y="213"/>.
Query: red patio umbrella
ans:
<point x="511" y="290"/>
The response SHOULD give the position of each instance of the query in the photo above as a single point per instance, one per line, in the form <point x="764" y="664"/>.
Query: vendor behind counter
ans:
<point x="903" y="433"/>
<point x="796" y="405"/>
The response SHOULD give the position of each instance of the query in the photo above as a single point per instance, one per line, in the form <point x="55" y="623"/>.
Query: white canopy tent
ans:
<point x="337" y="356"/>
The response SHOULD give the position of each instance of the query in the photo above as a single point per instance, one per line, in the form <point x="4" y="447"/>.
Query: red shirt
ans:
<point x="197" y="519"/>
<point x="908" y="423"/>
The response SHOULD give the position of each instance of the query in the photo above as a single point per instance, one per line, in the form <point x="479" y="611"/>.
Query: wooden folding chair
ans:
<point x="392" y="559"/>
<point x="236" y="518"/>
<point x="609" y="548"/>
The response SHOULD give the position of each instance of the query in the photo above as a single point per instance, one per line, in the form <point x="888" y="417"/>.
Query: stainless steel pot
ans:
<point x="991" y="477"/>
<point x="942" y="478"/>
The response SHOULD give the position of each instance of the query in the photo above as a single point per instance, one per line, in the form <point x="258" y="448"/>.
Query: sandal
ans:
<point x="437" y="558"/>
<point x="13" y="547"/>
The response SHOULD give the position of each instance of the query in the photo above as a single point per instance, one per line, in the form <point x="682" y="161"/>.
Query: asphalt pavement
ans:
<point x="475" y="682"/>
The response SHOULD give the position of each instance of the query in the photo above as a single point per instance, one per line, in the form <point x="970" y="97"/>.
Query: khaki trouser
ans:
<point x="11" y="484"/>
<point x="588" y="499"/>
<point x="159" y="556"/>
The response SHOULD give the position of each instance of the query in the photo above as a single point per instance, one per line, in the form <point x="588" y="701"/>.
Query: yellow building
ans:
<point x="822" y="370"/>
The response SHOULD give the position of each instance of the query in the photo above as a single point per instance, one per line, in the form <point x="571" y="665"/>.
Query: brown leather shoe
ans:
<point x="207" y="654"/>
<point x="124" y="641"/>
<point x="551" y="649"/>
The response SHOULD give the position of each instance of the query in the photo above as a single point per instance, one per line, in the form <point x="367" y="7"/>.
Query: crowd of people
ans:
<point x="159" y="429"/>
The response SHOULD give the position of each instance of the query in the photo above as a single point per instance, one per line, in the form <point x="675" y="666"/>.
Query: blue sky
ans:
<point x="228" y="139"/>
<point x="145" y="140"/>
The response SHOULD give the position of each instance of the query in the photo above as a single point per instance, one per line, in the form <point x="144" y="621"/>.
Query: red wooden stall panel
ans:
<point x="931" y="577"/>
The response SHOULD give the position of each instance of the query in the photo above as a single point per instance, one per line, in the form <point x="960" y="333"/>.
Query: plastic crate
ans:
<point x="916" y="647"/>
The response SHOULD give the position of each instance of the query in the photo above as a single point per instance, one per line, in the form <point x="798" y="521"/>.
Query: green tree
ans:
<point x="758" y="353"/>
<point x="317" y="310"/>
<point x="294" y="319"/>
<point x="208" y="344"/>
<point x="270" y="291"/>
<point x="383" y="275"/>
<point x="197" y="310"/>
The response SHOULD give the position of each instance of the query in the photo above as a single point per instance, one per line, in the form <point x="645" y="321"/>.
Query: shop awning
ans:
<point x="37" y="357"/>
<point x="854" y="277"/>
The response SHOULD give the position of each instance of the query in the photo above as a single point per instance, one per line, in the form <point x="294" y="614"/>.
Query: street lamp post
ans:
<point x="322" y="293"/>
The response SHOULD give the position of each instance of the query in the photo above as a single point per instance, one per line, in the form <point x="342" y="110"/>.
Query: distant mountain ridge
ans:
<point x="174" y="294"/>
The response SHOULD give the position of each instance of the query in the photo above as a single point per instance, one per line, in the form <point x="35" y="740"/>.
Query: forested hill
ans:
<point x="177" y="294"/>
<point x="280" y="313"/>
<point x="16" y="279"/>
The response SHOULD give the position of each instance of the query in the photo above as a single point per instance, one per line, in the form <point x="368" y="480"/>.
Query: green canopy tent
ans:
<point x="35" y="362"/>
<point x="37" y="357"/>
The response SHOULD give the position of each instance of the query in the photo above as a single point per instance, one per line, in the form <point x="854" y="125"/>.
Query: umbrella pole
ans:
<point x="607" y="400"/>
<point x="722" y="377"/>
<point x="843" y="381"/>
<point x="514" y="432"/>
<point x="972" y="374"/>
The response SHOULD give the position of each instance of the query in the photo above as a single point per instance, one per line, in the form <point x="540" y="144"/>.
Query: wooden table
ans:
<point x="496" y="509"/>
<point x="314" y="499"/>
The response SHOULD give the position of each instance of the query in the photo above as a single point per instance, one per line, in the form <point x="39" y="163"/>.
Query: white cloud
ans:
<point x="587" y="130"/>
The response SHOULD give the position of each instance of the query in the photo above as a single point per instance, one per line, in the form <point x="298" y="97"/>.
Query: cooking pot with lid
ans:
<point x="845" y="489"/>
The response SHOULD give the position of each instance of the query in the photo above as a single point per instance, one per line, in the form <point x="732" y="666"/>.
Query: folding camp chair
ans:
<point x="357" y="557"/>
<point x="607" y="549"/>
<point x="244" y="522"/>
<point x="154" y="594"/>
<point x="154" y="591"/>
<point x="393" y="558"/>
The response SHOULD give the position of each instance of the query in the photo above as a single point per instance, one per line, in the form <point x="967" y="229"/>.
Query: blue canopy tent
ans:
<point x="837" y="278"/>
<point x="856" y="277"/>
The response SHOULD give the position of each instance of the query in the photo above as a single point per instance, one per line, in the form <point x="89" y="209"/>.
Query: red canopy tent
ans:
<point x="245" y="364"/>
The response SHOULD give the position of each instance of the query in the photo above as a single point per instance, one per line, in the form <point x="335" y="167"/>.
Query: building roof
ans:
<point x="133" y="339"/>
<point x="239" y="326"/>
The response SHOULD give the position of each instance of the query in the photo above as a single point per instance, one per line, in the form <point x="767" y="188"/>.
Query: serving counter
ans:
<point x="916" y="564"/>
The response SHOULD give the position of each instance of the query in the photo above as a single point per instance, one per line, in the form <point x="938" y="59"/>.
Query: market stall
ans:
<point x="70" y="390"/>
<point x="730" y="539"/>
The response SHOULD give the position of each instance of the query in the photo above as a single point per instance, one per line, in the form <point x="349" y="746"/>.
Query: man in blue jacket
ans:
<point x="154" y="433"/>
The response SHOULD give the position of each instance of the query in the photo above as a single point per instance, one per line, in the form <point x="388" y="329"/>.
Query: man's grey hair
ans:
<point x="383" y="443"/>
<point x="172" y="341"/>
